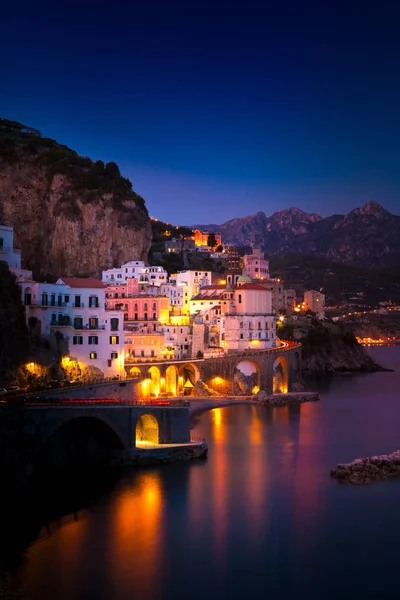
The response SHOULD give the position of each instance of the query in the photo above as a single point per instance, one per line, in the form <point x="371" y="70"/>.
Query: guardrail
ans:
<point x="40" y="401"/>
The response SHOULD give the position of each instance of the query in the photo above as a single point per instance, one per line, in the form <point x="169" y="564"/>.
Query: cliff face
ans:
<point x="70" y="216"/>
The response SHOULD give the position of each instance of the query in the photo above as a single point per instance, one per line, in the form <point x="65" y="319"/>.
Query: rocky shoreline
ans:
<point x="265" y="399"/>
<point x="366" y="470"/>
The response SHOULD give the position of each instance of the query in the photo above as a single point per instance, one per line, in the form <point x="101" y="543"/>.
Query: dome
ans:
<point x="244" y="279"/>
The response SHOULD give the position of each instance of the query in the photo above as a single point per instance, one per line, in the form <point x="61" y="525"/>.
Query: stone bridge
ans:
<point x="272" y="370"/>
<point x="123" y="426"/>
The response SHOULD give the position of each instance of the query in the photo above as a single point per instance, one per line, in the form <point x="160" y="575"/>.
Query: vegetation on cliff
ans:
<point x="71" y="216"/>
<point x="14" y="335"/>
<point x="333" y="349"/>
<point x="19" y="141"/>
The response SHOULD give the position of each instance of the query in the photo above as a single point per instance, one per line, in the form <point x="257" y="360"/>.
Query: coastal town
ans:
<point x="138" y="314"/>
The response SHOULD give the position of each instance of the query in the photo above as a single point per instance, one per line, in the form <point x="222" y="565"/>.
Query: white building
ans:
<point x="138" y="270"/>
<point x="255" y="265"/>
<point x="11" y="255"/>
<point x="252" y="323"/>
<point x="7" y="251"/>
<point x="236" y="318"/>
<point x="76" y="308"/>
<point x="183" y="286"/>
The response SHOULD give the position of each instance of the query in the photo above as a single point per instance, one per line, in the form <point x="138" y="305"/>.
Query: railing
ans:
<point x="240" y="314"/>
<point x="105" y="402"/>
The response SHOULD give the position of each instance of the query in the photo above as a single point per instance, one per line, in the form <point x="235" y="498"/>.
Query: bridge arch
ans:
<point x="189" y="373"/>
<point x="79" y="440"/>
<point x="135" y="373"/>
<point x="147" y="430"/>
<point x="246" y="377"/>
<point x="154" y="376"/>
<point x="172" y="380"/>
<point x="280" y="375"/>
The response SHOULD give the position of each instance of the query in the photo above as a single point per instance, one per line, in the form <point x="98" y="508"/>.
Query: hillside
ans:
<point x="340" y="283"/>
<point x="368" y="236"/>
<point x="71" y="216"/>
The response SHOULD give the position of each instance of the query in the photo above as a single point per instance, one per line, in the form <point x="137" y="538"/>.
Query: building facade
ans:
<point x="75" y="307"/>
<point x="255" y="265"/>
<point x="315" y="301"/>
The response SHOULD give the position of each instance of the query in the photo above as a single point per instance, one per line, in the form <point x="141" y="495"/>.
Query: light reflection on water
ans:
<point x="260" y="516"/>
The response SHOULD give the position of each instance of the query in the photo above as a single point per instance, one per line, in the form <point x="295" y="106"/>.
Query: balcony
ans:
<point x="62" y="321"/>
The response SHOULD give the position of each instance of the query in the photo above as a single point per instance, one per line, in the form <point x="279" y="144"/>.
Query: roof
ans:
<point x="251" y="286"/>
<point x="83" y="282"/>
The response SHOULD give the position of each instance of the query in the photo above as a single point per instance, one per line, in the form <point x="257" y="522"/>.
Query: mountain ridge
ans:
<point x="367" y="235"/>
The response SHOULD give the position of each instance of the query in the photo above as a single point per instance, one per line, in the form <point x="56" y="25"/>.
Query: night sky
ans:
<point x="216" y="110"/>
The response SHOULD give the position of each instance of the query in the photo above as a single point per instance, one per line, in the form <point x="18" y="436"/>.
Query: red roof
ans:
<point x="83" y="282"/>
<point x="250" y="286"/>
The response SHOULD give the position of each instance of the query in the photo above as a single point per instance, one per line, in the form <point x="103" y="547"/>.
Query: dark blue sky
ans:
<point x="215" y="110"/>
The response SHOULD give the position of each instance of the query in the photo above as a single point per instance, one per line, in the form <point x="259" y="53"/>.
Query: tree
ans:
<point x="112" y="170"/>
<point x="211" y="240"/>
<point x="219" y="248"/>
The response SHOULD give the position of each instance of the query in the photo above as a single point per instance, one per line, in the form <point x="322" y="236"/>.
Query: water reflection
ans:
<point x="259" y="516"/>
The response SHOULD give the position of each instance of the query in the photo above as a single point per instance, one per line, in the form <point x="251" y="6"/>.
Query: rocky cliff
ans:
<point x="70" y="216"/>
<point x="333" y="350"/>
<point x="369" y="235"/>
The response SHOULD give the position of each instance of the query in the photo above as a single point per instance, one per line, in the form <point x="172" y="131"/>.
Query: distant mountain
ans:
<point x="368" y="236"/>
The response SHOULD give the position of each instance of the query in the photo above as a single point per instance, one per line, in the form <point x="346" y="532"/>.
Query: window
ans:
<point x="77" y="301"/>
<point x="145" y="306"/>
<point x="93" y="302"/>
<point x="136" y="306"/>
<point x="93" y="339"/>
<point x="240" y="298"/>
<point x="78" y="323"/>
<point x="66" y="299"/>
<point x="154" y="306"/>
<point x="114" y="339"/>
<point x="28" y="298"/>
<point x="53" y="300"/>
<point x="241" y="336"/>
<point x="93" y="355"/>
<point x="45" y="299"/>
<point x="77" y="340"/>
<point x="136" y="316"/>
<point x="59" y="302"/>
<point x="142" y="353"/>
<point x="154" y="316"/>
<point x="93" y="323"/>
<point x="145" y="316"/>
<point x="114" y="324"/>
<point x="114" y="354"/>
<point x="152" y="353"/>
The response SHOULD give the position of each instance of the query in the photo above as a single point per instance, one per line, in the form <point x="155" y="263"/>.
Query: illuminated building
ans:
<point x="201" y="238"/>
<point x="138" y="270"/>
<point x="76" y="308"/>
<point x="183" y="286"/>
<point x="255" y="265"/>
<point x="315" y="301"/>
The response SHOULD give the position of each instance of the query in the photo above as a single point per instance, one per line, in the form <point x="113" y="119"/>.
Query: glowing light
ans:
<point x="282" y="318"/>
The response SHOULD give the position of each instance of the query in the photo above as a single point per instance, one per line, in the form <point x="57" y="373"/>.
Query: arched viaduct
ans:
<point x="272" y="370"/>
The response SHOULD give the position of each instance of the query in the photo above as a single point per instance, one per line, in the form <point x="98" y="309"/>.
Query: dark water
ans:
<point x="260" y="517"/>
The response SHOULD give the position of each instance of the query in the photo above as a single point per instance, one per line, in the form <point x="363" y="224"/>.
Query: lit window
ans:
<point x="114" y="339"/>
<point x="93" y="355"/>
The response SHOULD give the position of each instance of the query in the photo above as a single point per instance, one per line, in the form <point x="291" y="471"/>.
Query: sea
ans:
<point x="260" y="517"/>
